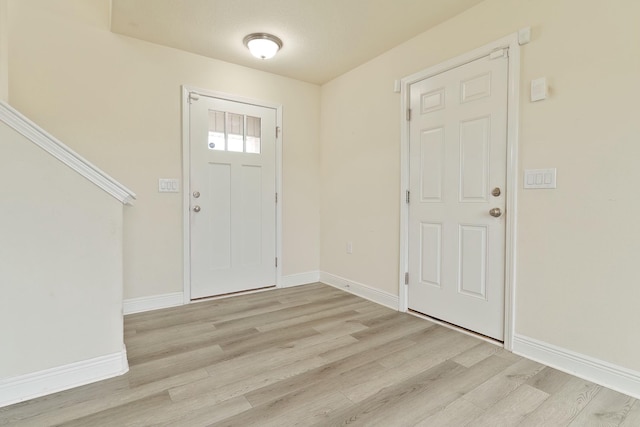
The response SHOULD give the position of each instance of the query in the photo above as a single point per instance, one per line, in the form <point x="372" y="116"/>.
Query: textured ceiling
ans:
<point x="322" y="38"/>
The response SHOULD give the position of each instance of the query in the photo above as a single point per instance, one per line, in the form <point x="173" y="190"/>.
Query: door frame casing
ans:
<point x="513" y="106"/>
<point x="186" y="179"/>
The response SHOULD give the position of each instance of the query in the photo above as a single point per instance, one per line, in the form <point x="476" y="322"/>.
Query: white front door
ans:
<point x="457" y="149"/>
<point x="233" y="196"/>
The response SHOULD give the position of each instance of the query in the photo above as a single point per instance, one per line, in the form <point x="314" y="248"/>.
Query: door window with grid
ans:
<point x="234" y="132"/>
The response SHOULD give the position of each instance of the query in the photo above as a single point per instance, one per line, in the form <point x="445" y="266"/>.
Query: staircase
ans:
<point x="61" y="256"/>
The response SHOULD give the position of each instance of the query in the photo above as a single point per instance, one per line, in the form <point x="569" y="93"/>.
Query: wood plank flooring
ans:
<point x="317" y="356"/>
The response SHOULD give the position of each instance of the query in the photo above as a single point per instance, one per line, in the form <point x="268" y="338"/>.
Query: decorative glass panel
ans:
<point x="216" y="140"/>
<point x="235" y="132"/>
<point x="253" y="134"/>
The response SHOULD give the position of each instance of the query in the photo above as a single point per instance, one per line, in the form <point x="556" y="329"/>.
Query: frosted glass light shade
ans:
<point x="262" y="45"/>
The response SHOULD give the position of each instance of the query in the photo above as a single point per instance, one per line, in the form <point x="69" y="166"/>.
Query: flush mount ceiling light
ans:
<point x="262" y="45"/>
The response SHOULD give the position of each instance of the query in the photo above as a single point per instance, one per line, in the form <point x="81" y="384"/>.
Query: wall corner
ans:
<point x="4" y="51"/>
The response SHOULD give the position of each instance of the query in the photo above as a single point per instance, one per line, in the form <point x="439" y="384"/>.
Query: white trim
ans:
<point x="66" y="155"/>
<point x="186" y="179"/>
<point x="154" y="302"/>
<point x="513" y="143"/>
<point x="280" y="195"/>
<point x="41" y="383"/>
<point x="598" y="371"/>
<point x="510" y="42"/>
<point x="364" y="291"/>
<point x="186" y="198"/>
<point x="299" y="279"/>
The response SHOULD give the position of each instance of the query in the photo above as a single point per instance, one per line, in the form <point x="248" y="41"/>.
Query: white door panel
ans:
<point x="233" y="217"/>
<point x="457" y="149"/>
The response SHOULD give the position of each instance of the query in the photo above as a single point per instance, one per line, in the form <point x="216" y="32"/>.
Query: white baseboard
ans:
<point x="598" y="371"/>
<point x="155" y="302"/>
<point x="299" y="279"/>
<point x="364" y="291"/>
<point x="37" y="384"/>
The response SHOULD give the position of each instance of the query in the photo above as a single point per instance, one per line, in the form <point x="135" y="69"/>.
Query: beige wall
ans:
<point x="117" y="102"/>
<point x="60" y="262"/>
<point x="578" y="245"/>
<point x="4" y="52"/>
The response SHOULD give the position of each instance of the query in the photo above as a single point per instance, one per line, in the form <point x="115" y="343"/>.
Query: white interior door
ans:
<point x="457" y="149"/>
<point x="233" y="196"/>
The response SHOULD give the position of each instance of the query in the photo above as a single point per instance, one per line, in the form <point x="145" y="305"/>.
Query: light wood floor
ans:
<point x="315" y="355"/>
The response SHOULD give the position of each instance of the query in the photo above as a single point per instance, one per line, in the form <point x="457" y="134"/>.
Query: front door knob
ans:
<point x="196" y="208"/>
<point x="495" y="212"/>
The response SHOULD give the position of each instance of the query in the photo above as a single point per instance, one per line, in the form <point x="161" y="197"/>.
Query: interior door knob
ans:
<point x="196" y="208"/>
<point x="495" y="212"/>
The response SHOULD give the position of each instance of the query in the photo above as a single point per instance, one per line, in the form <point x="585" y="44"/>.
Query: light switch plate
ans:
<point x="540" y="178"/>
<point x="166" y="185"/>
<point x="538" y="89"/>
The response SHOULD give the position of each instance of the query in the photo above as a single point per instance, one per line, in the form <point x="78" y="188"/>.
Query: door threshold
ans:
<point x="457" y="328"/>
<point x="233" y="294"/>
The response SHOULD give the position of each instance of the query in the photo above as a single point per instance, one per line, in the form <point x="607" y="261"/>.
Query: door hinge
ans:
<point x="408" y="114"/>
<point x="277" y="131"/>
<point x="276" y="262"/>
<point x="193" y="97"/>
<point x="499" y="53"/>
<point x="276" y="197"/>
<point x="406" y="278"/>
<point x="408" y="196"/>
